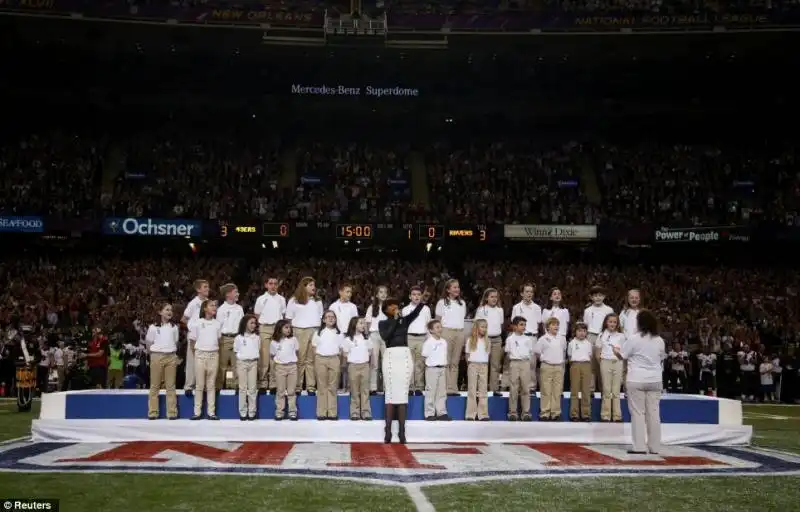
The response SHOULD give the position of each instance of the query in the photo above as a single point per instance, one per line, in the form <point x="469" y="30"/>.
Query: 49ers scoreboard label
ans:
<point x="393" y="463"/>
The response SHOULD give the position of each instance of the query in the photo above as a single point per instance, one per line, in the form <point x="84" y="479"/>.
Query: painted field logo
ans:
<point x="394" y="463"/>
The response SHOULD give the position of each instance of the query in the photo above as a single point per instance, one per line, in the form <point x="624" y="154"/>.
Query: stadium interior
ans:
<point x="399" y="161"/>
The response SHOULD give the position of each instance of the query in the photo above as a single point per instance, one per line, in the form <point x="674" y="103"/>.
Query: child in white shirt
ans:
<point x="434" y="350"/>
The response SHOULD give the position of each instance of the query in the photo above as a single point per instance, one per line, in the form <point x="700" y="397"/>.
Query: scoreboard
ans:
<point x="378" y="233"/>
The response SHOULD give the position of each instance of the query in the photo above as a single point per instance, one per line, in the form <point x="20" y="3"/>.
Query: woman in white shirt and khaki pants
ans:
<point x="645" y="352"/>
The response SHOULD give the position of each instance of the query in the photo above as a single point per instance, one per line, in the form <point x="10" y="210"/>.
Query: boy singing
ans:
<point x="519" y="347"/>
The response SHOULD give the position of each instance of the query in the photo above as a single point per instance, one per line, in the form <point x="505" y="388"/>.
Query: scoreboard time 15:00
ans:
<point x="388" y="232"/>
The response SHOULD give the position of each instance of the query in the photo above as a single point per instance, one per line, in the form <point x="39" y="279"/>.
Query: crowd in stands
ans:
<point x="227" y="177"/>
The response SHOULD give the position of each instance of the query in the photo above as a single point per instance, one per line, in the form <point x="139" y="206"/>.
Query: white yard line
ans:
<point x="758" y="415"/>
<point x="419" y="499"/>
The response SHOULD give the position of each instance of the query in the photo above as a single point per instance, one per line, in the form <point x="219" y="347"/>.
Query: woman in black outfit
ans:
<point x="398" y="366"/>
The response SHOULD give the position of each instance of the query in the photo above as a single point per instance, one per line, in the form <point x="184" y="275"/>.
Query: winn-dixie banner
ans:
<point x="254" y="13"/>
<point x="550" y="232"/>
<point x="703" y="235"/>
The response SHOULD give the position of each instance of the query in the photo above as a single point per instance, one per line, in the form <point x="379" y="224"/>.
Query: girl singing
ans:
<point x="610" y="368"/>
<point x="490" y="311"/>
<point x="327" y="344"/>
<point x="627" y="318"/>
<point x="555" y="310"/>
<point x="246" y="346"/>
<point x="357" y="348"/>
<point x="451" y="311"/>
<point x="285" y="349"/>
<point x="377" y="344"/>
<point x="162" y="341"/>
<point x="204" y="337"/>
<point x="478" y="350"/>
<point x="305" y="311"/>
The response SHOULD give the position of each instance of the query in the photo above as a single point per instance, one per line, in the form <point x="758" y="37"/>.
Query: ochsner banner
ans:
<point x="703" y="234"/>
<point x="576" y="233"/>
<point x="152" y="227"/>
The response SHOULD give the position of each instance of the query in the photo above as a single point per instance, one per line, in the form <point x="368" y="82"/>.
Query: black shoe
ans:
<point x="484" y="419"/>
<point x="197" y="417"/>
<point x="469" y="419"/>
<point x="243" y="418"/>
<point x="453" y="394"/>
<point x="496" y="393"/>
<point x="387" y="436"/>
<point x="512" y="417"/>
<point x="213" y="417"/>
<point x="189" y="393"/>
<point x="430" y="418"/>
<point x="634" y="452"/>
<point x="544" y="418"/>
<point x="402" y="437"/>
<point x="321" y="418"/>
<point x="292" y="417"/>
<point x="443" y="417"/>
<point x="152" y="418"/>
<point x="410" y="393"/>
<point x="527" y="417"/>
<point x="586" y="419"/>
<point x="273" y="391"/>
<point x="373" y="393"/>
<point x="418" y="393"/>
<point x="366" y="418"/>
<point x="262" y="391"/>
<point x="251" y="418"/>
<point x="297" y="393"/>
<point x="355" y="418"/>
<point x="574" y="419"/>
<point x="236" y="391"/>
<point x="333" y="418"/>
<point x="312" y="393"/>
<point x="278" y="418"/>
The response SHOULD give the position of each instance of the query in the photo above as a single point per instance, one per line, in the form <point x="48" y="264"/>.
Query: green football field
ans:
<point x="775" y="427"/>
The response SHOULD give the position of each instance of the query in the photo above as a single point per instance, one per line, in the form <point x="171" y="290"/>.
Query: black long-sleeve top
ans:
<point x="395" y="330"/>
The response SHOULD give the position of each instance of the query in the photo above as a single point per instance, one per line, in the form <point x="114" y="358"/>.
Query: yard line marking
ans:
<point x="15" y="440"/>
<point x="770" y="405"/>
<point x="759" y="415"/>
<point x="419" y="499"/>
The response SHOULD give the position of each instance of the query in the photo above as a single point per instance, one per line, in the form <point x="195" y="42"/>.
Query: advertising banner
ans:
<point x="24" y="224"/>
<point x="277" y="15"/>
<point x="552" y="232"/>
<point x="703" y="234"/>
<point x="133" y="226"/>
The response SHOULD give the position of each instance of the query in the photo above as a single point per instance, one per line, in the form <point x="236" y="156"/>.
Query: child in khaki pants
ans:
<point x="285" y="350"/>
<point x="519" y="348"/>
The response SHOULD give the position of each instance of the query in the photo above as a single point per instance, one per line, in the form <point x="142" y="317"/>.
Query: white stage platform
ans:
<point x="103" y="416"/>
<point x="346" y="431"/>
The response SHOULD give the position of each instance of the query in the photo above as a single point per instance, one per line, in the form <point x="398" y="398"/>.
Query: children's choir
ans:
<point x="285" y="347"/>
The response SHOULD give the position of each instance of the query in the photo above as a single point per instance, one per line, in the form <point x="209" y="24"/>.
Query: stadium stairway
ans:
<point x="589" y="185"/>
<point x="288" y="176"/>
<point x="419" y="179"/>
<point x="113" y="166"/>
